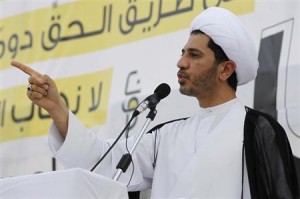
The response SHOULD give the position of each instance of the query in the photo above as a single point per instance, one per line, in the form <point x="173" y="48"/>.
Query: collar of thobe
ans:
<point x="218" y="109"/>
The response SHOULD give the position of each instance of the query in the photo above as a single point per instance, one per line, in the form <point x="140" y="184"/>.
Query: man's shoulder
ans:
<point x="168" y="122"/>
<point x="256" y="113"/>
<point x="261" y="128"/>
<point x="262" y="120"/>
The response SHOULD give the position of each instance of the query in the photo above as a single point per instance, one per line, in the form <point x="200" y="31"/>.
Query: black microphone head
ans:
<point x="162" y="91"/>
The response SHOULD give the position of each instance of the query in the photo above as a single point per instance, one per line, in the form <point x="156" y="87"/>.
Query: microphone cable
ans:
<point x="126" y="144"/>
<point x="118" y="138"/>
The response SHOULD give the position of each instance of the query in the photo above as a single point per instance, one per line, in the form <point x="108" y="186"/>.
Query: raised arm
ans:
<point x="43" y="91"/>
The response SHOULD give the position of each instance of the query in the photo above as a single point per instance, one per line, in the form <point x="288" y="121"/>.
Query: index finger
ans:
<point x="25" y="69"/>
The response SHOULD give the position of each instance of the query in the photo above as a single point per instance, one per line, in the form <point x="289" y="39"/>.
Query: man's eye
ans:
<point x="194" y="55"/>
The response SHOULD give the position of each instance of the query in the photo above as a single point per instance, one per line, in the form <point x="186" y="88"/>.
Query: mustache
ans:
<point x="182" y="74"/>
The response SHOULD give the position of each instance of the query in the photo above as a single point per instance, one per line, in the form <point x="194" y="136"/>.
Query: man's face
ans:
<point x="198" y="72"/>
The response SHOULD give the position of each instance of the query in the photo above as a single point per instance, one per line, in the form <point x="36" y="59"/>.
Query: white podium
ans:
<point x="62" y="184"/>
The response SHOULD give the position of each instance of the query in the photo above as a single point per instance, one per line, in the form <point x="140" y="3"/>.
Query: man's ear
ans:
<point x="227" y="68"/>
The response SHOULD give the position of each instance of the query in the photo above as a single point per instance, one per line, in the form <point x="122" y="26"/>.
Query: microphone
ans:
<point x="161" y="91"/>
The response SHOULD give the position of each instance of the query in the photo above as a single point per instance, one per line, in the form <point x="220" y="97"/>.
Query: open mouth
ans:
<point x="181" y="77"/>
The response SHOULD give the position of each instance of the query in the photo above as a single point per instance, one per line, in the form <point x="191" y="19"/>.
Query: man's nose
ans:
<point x="182" y="62"/>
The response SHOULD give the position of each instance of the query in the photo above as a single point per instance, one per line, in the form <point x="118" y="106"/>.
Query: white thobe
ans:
<point x="200" y="157"/>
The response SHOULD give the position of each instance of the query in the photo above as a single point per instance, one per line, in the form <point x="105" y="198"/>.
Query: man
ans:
<point x="201" y="156"/>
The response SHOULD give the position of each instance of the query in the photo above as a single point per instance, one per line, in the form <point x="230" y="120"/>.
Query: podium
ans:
<point x="63" y="184"/>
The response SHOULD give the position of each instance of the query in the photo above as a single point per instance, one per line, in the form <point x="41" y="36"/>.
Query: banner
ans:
<point x="107" y="56"/>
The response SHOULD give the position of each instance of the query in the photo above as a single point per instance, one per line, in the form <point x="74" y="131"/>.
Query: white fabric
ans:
<point x="67" y="184"/>
<point x="227" y="31"/>
<point x="200" y="157"/>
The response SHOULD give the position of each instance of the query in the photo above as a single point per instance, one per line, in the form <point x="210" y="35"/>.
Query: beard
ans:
<point x="201" y="85"/>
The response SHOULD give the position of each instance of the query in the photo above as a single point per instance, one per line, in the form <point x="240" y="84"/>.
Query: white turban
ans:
<point x="229" y="33"/>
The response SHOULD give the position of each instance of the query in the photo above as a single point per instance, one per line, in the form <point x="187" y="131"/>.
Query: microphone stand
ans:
<point x="126" y="158"/>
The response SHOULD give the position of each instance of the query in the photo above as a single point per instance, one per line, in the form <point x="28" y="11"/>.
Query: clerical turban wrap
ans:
<point x="227" y="31"/>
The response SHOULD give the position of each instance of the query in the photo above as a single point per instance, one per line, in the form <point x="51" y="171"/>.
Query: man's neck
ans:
<point x="217" y="99"/>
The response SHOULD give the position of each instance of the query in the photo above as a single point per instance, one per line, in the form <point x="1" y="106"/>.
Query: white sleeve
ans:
<point x="82" y="148"/>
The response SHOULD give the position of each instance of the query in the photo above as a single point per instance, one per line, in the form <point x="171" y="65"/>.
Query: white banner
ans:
<point x="107" y="56"/>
